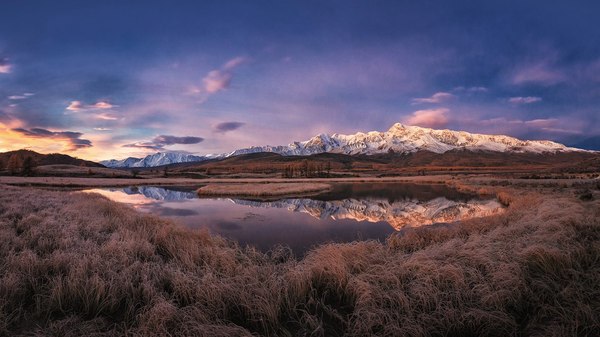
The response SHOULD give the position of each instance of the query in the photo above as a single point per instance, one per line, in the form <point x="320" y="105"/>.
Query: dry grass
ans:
<point x="76" y="264"/>
<point x="263" y="190"/>
<point x="80" y="171"/>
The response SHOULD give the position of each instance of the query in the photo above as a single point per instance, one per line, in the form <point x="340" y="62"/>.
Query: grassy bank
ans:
<point x="76" y="264"/>
<point x="111" y="182"/>
<point x="263" y="190"/>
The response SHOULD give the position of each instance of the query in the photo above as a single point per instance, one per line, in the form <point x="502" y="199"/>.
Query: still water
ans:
<point x="349" y="212"/>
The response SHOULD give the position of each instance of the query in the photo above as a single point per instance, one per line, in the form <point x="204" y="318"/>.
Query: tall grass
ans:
<point x="263" y="189"/>
<point x="75" y="264"/>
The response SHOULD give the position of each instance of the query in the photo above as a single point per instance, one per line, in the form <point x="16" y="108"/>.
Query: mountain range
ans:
<point x="401" y="139"/>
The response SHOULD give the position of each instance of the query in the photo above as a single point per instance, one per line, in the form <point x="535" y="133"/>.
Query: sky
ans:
<point x="112" y="79"/>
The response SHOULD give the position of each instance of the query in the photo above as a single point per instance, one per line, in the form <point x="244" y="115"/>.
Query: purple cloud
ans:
<point x="228" y="126"/>
<point x="74" y="138"/>
<point x="159" y="142"/>
<point x="171" y="140"/>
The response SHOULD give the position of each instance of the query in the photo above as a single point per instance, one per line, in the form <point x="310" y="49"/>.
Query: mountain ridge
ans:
<point x="398" y="138"/>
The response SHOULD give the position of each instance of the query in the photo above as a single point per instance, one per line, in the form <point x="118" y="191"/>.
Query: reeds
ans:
<point x="263" y="189"/>
<point x="75" y="264"/>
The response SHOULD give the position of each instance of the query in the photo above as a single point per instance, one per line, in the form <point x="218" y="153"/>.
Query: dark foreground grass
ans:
<point x="76" y="264"/>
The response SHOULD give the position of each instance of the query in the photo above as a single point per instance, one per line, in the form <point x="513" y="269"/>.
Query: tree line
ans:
<point x="18" y="164"/>
<point x="307" y="169"/>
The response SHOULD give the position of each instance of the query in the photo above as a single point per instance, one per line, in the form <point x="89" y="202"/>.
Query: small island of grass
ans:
<point x="263" y="190"/>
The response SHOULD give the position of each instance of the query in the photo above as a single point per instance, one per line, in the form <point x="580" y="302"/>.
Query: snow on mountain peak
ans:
<point x="399" y="138"/>
<point x="157" y="159"/>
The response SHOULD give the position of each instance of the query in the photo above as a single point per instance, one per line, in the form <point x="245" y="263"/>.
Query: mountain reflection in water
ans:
<point x="399" y="214"/>
<point x="349" y="212"/>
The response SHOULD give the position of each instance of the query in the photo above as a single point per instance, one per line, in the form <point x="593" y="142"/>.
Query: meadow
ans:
<point x="76" y="264"/>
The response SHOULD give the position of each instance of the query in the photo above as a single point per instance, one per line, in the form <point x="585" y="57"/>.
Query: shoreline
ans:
<point x="115" y="182"/>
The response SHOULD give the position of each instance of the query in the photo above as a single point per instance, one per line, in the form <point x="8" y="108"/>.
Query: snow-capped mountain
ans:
<point x="399" y="214"/>
<point x="398" y="139"/>
<point x="405" y="139"/>
<point x="157" y="159"/>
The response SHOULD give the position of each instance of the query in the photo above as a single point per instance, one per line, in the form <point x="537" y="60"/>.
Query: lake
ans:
<point x="349" y="212"/>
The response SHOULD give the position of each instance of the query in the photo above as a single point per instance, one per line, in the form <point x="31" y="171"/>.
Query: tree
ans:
<point x="135" y="173"/>
<point x="27" y="166"/>
<point x="165" y="172"/>
<point x="14" y="164"/>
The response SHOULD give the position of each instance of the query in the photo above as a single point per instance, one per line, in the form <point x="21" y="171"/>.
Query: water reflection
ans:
<point x="160" y="193"/>
<point x="347" y="213"/>
<point x="399" y="214"/>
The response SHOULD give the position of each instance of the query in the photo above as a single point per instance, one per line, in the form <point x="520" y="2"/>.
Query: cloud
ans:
<point x="5" y="67"/>
<point x="144" y="145"/>
<point x="220" y="79"/>
<point x="102" y="129"/>
<point x="77" y="106"/>
<point x="227" y="126"/>
<point x="217" y="80"/>
<point x="438" y="97"/>
<point x="470" y="89"/>
<point x="524" y="100"/>
<point x="73" y="138"/>
<point x="103" y="105"/>
<point x="541" y="73"/>
<point x="159" y="142"/>
<point x="432" y="118"/>
<point x="171" y="140"/>
<point x="551" y="125"/>
<point x="20" y="97"/>
<point x="234" y="63"/>
<point x="107" y="116"/>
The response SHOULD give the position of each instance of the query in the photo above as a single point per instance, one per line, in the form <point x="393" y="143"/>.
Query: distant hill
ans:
<point x="327" y="164"/>
<point x="39" y="159"/>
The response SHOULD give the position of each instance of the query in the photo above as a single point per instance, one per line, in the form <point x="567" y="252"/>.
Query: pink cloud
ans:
<point x="75" y="106"/>
<point x="431" y="118"/>
<point x="539" y="73"/>
<point x="216" y="80"/>
<point x="5" y="67"/>
<point x="234" y="63"/>
<point x="438" y="97"/>
<point x="107" y="116"/>
<point x="103" y="105"/>
<point x="524" y="100"/>
<point x="79" y="106"/>
<point x="220" y="79"/>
